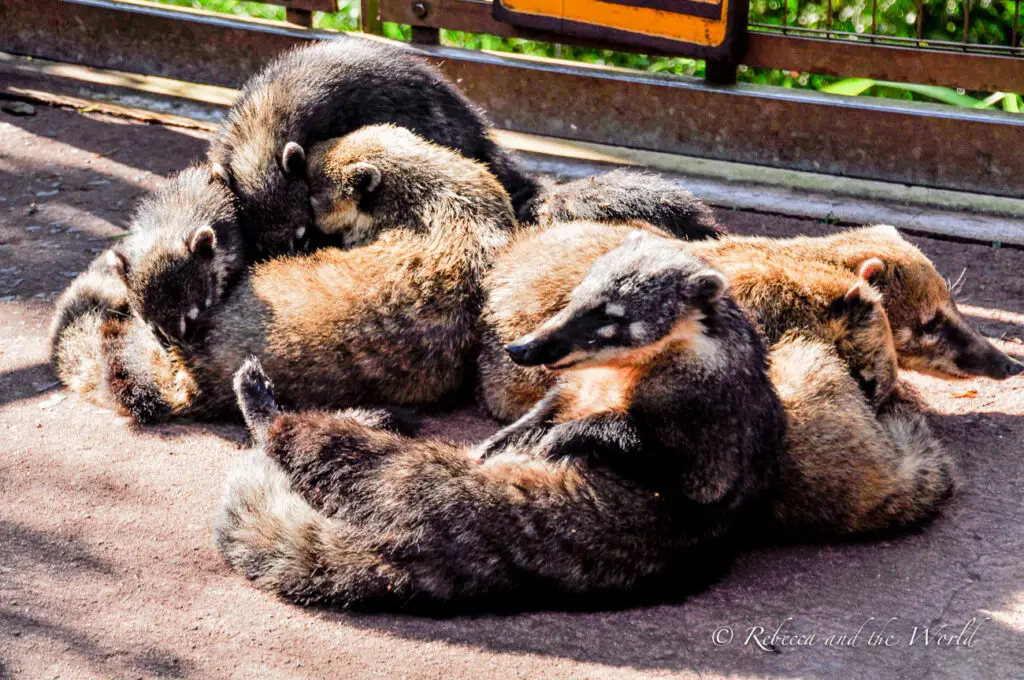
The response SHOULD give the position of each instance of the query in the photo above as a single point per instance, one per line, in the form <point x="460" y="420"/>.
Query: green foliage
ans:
<point x="991" y="23"/>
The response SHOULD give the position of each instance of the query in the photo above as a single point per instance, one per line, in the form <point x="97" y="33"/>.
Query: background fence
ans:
<point x="910" y="142"/>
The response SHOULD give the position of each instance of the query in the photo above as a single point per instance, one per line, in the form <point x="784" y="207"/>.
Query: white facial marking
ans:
<point x="608" y="331"/>
<point x="614" y="309"/>
<point x="182" y="325"/>
<point x="638" y="329"/>
<point x="300" y="232"/>
<point x="193" y="313"/>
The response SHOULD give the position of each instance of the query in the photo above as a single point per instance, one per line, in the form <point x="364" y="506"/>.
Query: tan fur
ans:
<point x="912" y="290"/>
<point x="779" y="285"/>
<point x="393" y="321"/>
<point x="845" y="470"/>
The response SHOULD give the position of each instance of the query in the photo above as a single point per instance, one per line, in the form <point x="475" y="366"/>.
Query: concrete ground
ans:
<point x="107" y="568"/>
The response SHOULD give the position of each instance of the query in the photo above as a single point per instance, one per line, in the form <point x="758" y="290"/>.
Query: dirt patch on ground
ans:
<point x="107" y="567"/>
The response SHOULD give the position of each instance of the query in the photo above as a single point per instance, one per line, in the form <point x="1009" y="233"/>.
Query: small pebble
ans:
<point x="19" y="108"/>
<point x="33" y="228"/>
<point x="70" y="275"/>
<point x="45" y="194"/>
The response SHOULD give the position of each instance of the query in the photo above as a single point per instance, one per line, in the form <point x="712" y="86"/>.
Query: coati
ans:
<point x="185" y="251"/>
<point x="785" y="284"/>
<point x="191" y="241"/>
<point x="851" y="465"/>
<point x="930" y="334"/>
<point x="102" y="351"/>
<point x="328" y="89"/>
<point x="846" y="470"/>
<point x="623" y="196"/>
<point x="391" y="322"/>
<point x="654" y="447"/>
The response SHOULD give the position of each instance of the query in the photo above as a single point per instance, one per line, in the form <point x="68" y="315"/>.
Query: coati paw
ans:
<point x="255" y="394"/>
<point x="251" y="382"/>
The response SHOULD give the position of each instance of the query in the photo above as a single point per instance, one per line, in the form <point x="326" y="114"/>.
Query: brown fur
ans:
<point x="779" y="290"/>
<point x="390" y="322"/>
<point x="632" y="491"/>
<point x="930" y="334"/>
<point x="846" y="471"/>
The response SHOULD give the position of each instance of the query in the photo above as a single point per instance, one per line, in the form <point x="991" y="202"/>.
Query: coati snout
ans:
<point x="642" y="295"/>
<point x="945" y="345"/>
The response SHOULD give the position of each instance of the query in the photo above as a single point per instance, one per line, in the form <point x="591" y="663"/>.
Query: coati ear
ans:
<point x="364" y="178"/>
<point x="293" y="159"/>
<point x="711" y="285"/>
<point x="202" y="242"/>
<point x="871" y="271"/>
<point x="219" y="173"/>
<point x="119" y="263"/>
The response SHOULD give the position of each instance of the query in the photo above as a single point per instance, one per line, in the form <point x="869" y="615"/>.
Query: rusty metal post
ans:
<point x="721" y="72"/>
<point x="422" y="35"/>
<point x="299" y="17"/>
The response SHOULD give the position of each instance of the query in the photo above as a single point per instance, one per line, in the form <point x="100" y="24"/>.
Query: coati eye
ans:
<point x="932" y="325"/>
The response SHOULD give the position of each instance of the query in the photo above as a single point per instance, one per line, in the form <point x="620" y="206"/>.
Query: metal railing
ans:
<point x="907" y="142"/>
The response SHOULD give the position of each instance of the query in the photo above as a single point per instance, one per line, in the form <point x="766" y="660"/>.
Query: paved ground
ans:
<point x="107" y="568"/>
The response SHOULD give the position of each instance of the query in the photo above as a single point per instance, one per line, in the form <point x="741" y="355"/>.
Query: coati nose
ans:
<point x="522" y="353"/>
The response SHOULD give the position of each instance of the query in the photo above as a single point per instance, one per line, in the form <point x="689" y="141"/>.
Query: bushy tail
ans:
<point x="846" y="470"/>
<point x="925" y="475"/>
<point x="75" y="350"/>
<point x="94" y="293"/>
<point x="256" y="400"/>
<point x="271" y="534"/>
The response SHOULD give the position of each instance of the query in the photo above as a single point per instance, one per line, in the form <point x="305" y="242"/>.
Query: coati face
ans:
<point x="381" y="177"/>
<point x="342" y="195"/>
<point x="273" y="193"/>
<point x="173" y="263"/>
<point x="635" y="300"/>
<point x="930" y="333"/>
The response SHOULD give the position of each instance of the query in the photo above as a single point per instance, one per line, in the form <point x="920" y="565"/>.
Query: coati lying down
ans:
<point x="785" y="284"/>
<point x="847" y="471"/>
<point x="851" y="465"/>
<point x="652" y="448"/>
<point x="191" y="241"/>
<point x="392" y="322"/>
<point x="623" y="196"/>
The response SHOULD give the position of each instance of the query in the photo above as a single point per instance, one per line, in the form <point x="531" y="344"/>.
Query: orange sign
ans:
<point x="701" y="28"/>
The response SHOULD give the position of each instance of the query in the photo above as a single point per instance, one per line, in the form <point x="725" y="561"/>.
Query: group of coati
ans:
<point x="356" y="245"/>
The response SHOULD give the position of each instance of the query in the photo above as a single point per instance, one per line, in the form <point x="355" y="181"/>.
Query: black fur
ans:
<point x="623" y="196"/>
<point x="327" y="90"/>
<point x="637" y="501"/>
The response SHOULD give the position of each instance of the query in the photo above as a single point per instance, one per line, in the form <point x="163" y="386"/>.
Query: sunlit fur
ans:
<point x="602" y="496"/>
<point x="393" y="321"/>
<point x="931" y="335"/>
<point x="846" y="470"/>
<point x="325" y="90"/>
